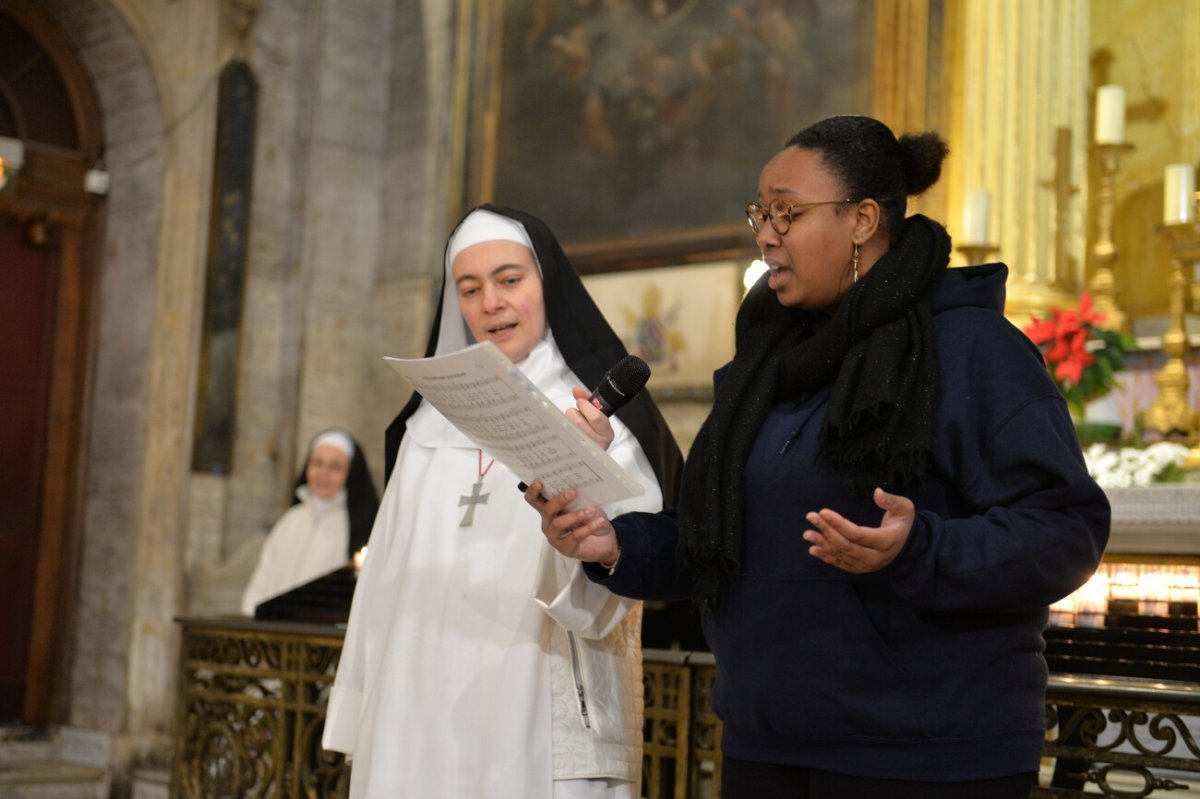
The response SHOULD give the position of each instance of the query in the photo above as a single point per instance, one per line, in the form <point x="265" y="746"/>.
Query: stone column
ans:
<point x="158" y="587"/>
<point x="422" y="182"/>
<point x="343" y="168"/>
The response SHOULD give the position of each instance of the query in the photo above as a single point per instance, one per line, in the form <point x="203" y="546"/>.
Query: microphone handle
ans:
<point x="596" y="399"/>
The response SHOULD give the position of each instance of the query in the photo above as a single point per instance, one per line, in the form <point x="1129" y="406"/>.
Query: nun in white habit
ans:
<point x="479" y="662"/>
<point x="333" y="509"/>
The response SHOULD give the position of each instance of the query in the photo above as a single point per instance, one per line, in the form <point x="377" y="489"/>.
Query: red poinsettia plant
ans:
<point x="1083" y="358"/>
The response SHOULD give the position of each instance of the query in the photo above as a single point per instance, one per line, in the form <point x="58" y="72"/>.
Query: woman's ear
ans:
<point x="866" y="220"/>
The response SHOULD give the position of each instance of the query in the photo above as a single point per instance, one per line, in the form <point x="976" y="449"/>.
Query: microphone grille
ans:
<point x="629" y="375"/>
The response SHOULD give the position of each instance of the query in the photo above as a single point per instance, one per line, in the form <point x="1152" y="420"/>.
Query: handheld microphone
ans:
<point x="620" y="384"/>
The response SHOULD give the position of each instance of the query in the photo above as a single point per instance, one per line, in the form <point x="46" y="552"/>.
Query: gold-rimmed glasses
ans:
<point x="780" y="214"/>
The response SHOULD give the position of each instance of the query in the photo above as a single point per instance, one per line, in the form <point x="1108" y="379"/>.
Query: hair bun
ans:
<point x="923" y="154"/>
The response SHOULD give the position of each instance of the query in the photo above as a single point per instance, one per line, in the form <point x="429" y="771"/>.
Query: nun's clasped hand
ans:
<point x="854" y="548"/>
<point x="584" y="534"/>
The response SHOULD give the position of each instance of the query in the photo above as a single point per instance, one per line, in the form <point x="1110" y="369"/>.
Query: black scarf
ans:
<point x="877" y="351"/>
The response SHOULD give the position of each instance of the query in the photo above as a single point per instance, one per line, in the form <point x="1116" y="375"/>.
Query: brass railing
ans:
<point x="251" y="710"/>
<point x="252" y="702"/>
<point x="682" y="747"/>
<point x="1126" y="738"/>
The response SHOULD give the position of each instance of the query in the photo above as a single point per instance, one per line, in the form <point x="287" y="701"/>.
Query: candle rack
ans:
<point x="1103" y="284"/>
<point x="1131" y="620"/>
<point x="1171" y="413"/>
<point x="1128" y="644"/>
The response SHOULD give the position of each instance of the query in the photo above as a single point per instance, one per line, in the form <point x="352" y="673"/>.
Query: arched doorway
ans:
<point x="48" y="229"/>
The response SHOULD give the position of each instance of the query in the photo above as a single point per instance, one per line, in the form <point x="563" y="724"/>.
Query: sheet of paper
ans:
<point x="487" y="397"/>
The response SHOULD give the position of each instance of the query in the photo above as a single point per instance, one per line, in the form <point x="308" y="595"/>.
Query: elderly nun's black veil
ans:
<point x="362" y="501"/>
<point x="588" y="345"/>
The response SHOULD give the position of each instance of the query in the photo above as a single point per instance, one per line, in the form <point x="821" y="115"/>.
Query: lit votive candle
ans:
<point x="1091" y="601"/>
<point x="1062" y="612"/>
<point x="1110" y="115"/>
<point x="1154" y="591"/>
<point x="1185" y="593"/>
<point x="1179" y="190"/>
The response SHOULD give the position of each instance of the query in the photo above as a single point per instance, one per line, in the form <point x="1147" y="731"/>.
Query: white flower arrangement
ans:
<point x="1124" y="467"/>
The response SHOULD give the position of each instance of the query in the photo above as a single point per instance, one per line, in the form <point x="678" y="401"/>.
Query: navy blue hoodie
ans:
<point x="932" y="668"/>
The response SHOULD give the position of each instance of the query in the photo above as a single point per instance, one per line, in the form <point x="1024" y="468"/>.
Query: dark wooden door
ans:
<point x="28" y="300"/>
<point x="50" y="237"/>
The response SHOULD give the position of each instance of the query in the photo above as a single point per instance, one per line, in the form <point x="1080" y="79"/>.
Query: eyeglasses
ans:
<point x="780" y="214"/>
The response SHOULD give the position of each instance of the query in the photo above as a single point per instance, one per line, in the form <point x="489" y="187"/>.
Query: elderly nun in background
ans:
<point x="330" y="519"/>
<point x="478" y="661"/>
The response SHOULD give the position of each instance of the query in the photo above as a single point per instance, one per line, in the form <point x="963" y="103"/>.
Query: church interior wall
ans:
<point x="344" y="162"/>
<point x="227" y="510"/>
<point x="354" y="187"/>
<point x="417" y="209"/>
<point x="157" y="114"/>
<point x="124" y="329"/>
<point x="338" y="272"/>
<point x="152" y="530"/>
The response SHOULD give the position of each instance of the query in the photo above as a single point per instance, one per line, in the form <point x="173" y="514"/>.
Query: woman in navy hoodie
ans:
<point x="887" y="495"/>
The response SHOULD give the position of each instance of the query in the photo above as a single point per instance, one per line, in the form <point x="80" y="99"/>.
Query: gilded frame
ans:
<point x="677" y="318"/>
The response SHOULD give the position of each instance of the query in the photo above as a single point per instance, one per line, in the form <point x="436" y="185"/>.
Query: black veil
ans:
<point x="362" y="501"/>
<point x="588" y="345"/>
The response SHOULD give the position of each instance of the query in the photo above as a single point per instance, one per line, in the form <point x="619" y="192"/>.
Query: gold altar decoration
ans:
<point x="1026" y="144"/>
<point x="975" y="254"/>
<point x="1103" y="283"/>
<point x="1172" y="413"/>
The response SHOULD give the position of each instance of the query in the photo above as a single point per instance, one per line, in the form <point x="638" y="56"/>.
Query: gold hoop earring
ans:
<point x="856" y="262"/>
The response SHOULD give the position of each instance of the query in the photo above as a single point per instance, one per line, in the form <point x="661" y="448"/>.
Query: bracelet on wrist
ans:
<point x="612" y="567"/>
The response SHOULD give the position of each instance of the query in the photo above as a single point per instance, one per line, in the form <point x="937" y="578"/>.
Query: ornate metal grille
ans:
<point x="252" y="708"/>
<point x="251" y="711"/>
<point x="668" y="683"/>
<point x="1109" y="734"/>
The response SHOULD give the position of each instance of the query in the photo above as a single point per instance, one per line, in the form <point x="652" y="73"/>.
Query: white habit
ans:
<point x="445" y="684"/>
<point x="310" y="539"/>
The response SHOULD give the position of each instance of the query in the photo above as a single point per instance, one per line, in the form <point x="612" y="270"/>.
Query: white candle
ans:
<point x="1179" y="188"/>
<point x="1110" y="115"/>
<point x="975" y="217"/>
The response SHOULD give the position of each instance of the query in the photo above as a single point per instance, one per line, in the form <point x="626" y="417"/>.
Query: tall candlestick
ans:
<point x="1172" y="412"/>
<point x="1179" y="187"/>
<point x="1110" y="115"/>
<point x="975" y="217"/>
<point x="1103" y="282"/>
